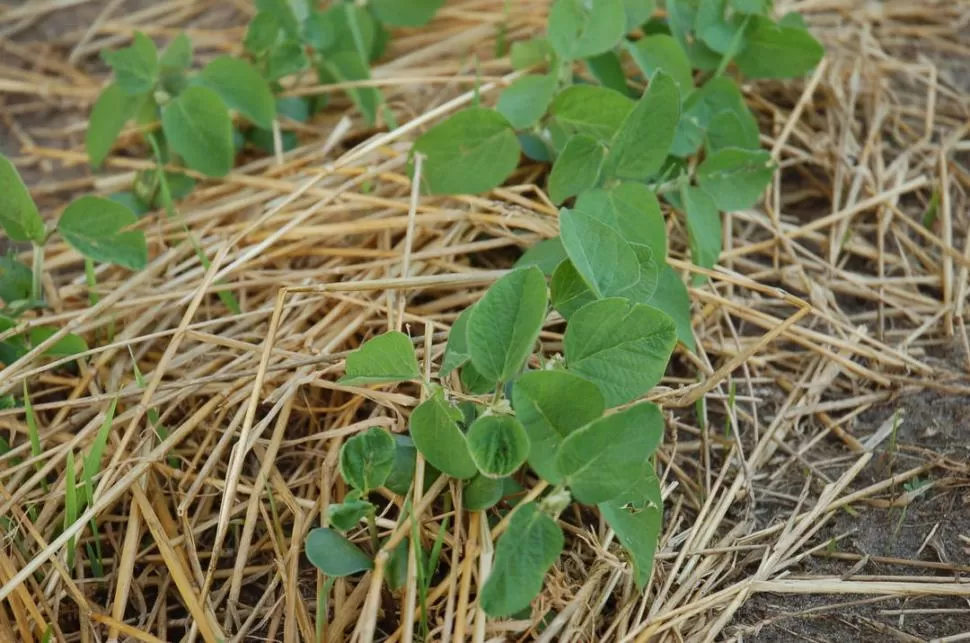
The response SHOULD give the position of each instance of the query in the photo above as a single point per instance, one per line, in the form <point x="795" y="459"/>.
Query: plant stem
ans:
<point x="372" y="529"/>
<point x="36" y="283"/>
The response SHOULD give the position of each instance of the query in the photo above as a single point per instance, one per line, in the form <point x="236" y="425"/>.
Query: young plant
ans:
<point x="555" y="420"/>
<point x="194" y="110"/>
<point x="95" y="227"/>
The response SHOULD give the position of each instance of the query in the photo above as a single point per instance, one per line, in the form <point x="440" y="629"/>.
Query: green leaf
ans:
<point x="750" y="6"/>
<point x="262" y="33"/>
<point x="545" y="255"/>
<point x="594" y="111"/>
<point x="15" y="280"/>
<point x="135" y="67"/>
<point x="286" y="59"/>
<point x="632" y="210"/>
<point x="482" y="492"/>
<point x="621" y="347"/>
<point x="583" y="29"/>
<point x="474" y="382"/>
<point x="334" y="555"/>
<point x="354" y="30"/>
<point x="413" y="13"/>
<point x="95" y="227"/>
<point x="640" y="146"/>
<point x="264" y="140"/>
<point x="293" y="107"/>
<point x="396" y="573"/>
<point x="382" y="359"/>
<point x="726" y="130"/>
<point x="177" y="57"/>
<point x="569" y="290"/>
<point x="348" y="514"/>
<point x="525" y="101"/>
<point x="528" y="53"/>
<point x="663" y="53"/>
<point x="577" y="168"/>
<point x="551" y="405"/>
<point x="131" y="201"/>
<point x="718" y="95"/>
<point x="319" y="31"/>
<point x="637" y="12"/>
<point x="793" y="19"/>
<point x="498" y="444"/>
<point x="681" y="16"/>
<point x="704" y="224"/>
<point x="607" y="263"/>
<point x="434" y="429"/>
<point x="290" y="14"/>
<point x="18" y="212"/>
<point x="524" y="554"/>
<point x="241" y="88"/>
<point x="456" y="351"/>
<point x="637" y="528"/>
<point x="348" y="66"/>
<point x="111" y="111"/>
<point x="608" y="70"/>
<point x="66" y="346"/>
<point x="197" y="126"/>
<point x="736" y="178"/>
<point x="773" y="51"/>
<point x="367" y="458"/>
<point x="671" y="297"/>
<point x="608" y="456"/>
<point x="504" y="325"/>
<point x="405" y="463"/>
<point x="715" y="30"/>
<point x="473" y="151"/>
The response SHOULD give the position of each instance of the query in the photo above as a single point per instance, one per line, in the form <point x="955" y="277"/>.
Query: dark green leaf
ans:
<point x="456" y="352"/>
<point x="241" y="88"/>
<point x="637" y="528"/>
<point x="177" y="57"/>
<point x="294" y="107"/>
<point x="641" y="144"/>
<point x="524" y="554"/>
<point x="262" y="33"/>
<point x="525" y="101"/>
<point x="718" y="95"/>
<point x="577" y="168"/>
<point x="750" y="6"/>
<point x="18" y="212"/>
<point x="569" y="290"/>
<point x="405" y="462"/>
<point x="412" y="13"/>
<point x="111" y="111"/>
<point x="353" y="29"/>
<point x="197" y="126"/>
<point x="551" y="405"/>
<point x="334" y="555"/>
<point x="286" y="59"/>
<point x="718" y="32"/>
<point x="595" y="111"/>
<point x="583" y="29"/>
<point x="482" y="493"/>
<point x="608" y="69"/>
<point x="498" y="444"/>
<point x="474" y="382"/>
<point x="131" y="201"/>
<point x="534" y="147"/>
<point x="66" y="346"/>
<point x="396" y="573"/>
<point x="434" y="429"/>
<point x="671" y="297"/>
<point x="607" y="262"/>
<point x="95" y="227"/>
<point x="793" y="19"/>
<point x="348" y="66"/>
<point x="736" y="178"/>
<point x="348" y="514"/>
<point x="290" y="14"/>
<point x="726" y="130"/>
<point x="608" y="456"/>
<point x="704" y="224"/>
<point x="367" y="458"/>
<point x="505" y="323"/>
<point x="264" y="140"/>
<point x="621" y="347"/>
<point x="546" y="255"/>
<point x="320" y="31"/>
<point x="15" y="280"/>
<point x="663" y="53"/>
<point x="637" y="12"/>
<point x="773" y="51"/>
<point x="681" y="16"/>
<point x="385" y="358"/>
<point x="473" y="151"/>
<point x="632" y="210"/>
<point x="179" y="187"/>
<point x="135" y="67"/>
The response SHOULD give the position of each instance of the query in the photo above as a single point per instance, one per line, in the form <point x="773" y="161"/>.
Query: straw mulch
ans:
<point x="791" y="487"/>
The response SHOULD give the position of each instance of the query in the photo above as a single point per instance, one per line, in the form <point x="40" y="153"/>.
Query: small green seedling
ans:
<point x="554" y="421"/>
<point x="95" y="227"/>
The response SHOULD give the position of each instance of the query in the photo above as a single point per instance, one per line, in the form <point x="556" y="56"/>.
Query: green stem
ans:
<point x="36" y="283"/>
<point x="372" y="529"/>
<point x="733" y="48"/>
